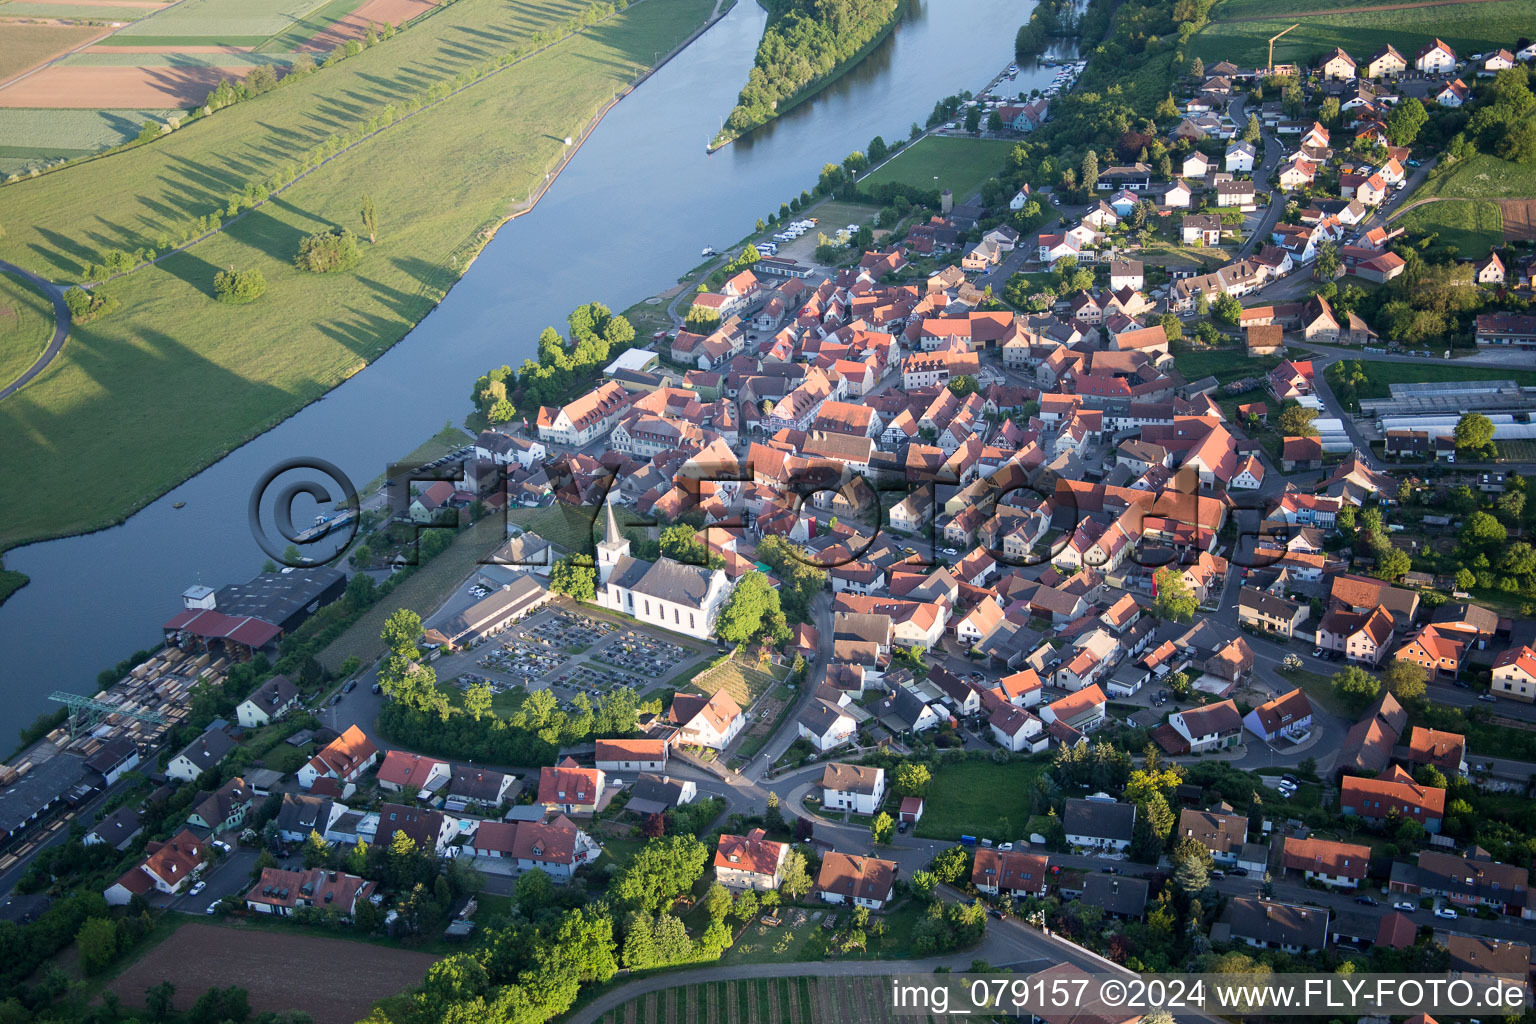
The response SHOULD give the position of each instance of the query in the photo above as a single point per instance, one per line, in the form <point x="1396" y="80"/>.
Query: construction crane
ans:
<point x="1271" y="67"/>
<point x="85" y="712"/>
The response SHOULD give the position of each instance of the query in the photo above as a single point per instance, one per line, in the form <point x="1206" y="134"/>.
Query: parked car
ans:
<point x="213" y="908"/>
<point x="198" y="887"/>
<point x="378" y="688"/>
<point x="1288" y="777"/>
<point x="1317" y="652"/>
<point x="1462" y="684"/>
<point x="1366" y="901"/>
<point x="351" y="685"/>
<point x="1446" y="913"/>
<point x="221" y="845"/>
<point x="1239" y="872"/>
<point x="1005" y="846"/>
<point x="1487" y="698"/>
<point x="1407" y="906"/>
<point x="335" y="699"/>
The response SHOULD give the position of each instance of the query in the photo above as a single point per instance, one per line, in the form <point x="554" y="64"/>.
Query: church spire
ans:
<point x="611" y="532"/>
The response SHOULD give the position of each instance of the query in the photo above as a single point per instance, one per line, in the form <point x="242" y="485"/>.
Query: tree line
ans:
<point x="597" y="334"/>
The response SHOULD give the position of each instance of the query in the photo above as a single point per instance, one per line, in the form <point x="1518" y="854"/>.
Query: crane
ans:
<point x="85" y="712"/>
<point x="1271" y="68"/>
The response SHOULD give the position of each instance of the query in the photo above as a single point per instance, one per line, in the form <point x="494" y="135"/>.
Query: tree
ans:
<point x="1391" y="563"/>
<point x="97" y="941"/>
<point x="370" y="220"/>
<point x="952" y="866"/>
<point x="701" y="319"/>
<point x="1173" y="327"/>
<point x="575" y="577"/>
<point x="478" y="699"/>
<point x="534" y="889"/>
<point x="402" y="632"/>
<point x="883" y="829"/>
<point x="238" y="287"/>
<point x="158" y="1000"/>
<point x="1405" y="122"/>
<point x="1197" y="68"/>
<point x="1090" y="172"/>
<point x="963" y="385"/>
<point x="1355" y="687"/>
<point x="1327" y="266"/>
<point x="1482" y="530"/>
<point x="1404" y="679"/>
<point x="1173" y="599"/>
<point x="1474" y="432"/>
<point x="717" y="902"/>
<point x="973" y="118"/>
<point x="911" y="778"/>
<point x="317" y="852"/>
<point x="1252" y="131"/>
<point x="794" y="880"/>
<point x="752" y="611"/>
<point x="1296" y="420"/>
<point x="1228" y="309"/>
<point x="1191" y="866"/>
<point x="327" y="252"/>
<point x="745" y="907"/>
<point x="923" y="885"/>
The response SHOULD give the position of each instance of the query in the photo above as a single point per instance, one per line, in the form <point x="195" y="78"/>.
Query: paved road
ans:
<point x="60" y="326"/>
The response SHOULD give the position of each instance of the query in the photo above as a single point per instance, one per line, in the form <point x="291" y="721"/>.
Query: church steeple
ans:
<point x="614" y="544"/>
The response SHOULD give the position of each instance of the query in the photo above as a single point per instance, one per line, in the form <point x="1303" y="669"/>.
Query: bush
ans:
<point x="328" y="251"/>
<point x="86" y="306"/>
<point x="237" y="287"/>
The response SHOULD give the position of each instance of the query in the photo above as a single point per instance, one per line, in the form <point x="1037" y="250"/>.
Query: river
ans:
<point x="628" y="215"/>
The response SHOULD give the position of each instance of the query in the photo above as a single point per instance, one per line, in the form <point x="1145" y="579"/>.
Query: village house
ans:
<point x="852" y="787"/>
<point x="847" y="879"/>
<point x="1211" y="727"/>
<point x="1376" y="799"/>
<point x="1287" y="716"/>
<point x="752" y="861"/>
<point x="1342" y="865"/>
<point x="270" y="701"/>
<point x="1011" y="873"/>
<point x="571" y="788"/>
<point x="1105" y="826"/>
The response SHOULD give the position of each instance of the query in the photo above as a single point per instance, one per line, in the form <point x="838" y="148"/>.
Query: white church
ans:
<point x="668" y="593"/>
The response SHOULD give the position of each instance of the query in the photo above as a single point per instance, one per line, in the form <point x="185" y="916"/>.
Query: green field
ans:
<point x="26" y="45"/>
<point x="221" y="17"/>
<point x="38" y="137"/>
<point x="26" y="325"/>
<point x="743" y="682"/>
<point x="88" y="12"/>
<point x="960" y="165"/>
<point x="1227" y="10"/>
<point x="1481" y="176"/>
<point x="1472" y="225"/>
<point x="1380" y="375"/>
<point x="1467" y="28"/>
<point x="979" y="798"/>
<point x="1225" y="364"/>
<point x="238" y="370"/>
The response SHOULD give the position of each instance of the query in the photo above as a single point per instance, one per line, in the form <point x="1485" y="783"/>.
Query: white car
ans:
<point x="1407" y="906"/>
<point x="222" y="845"/>
<point x="198" y="887"/>
<point x="1446" y="912"/>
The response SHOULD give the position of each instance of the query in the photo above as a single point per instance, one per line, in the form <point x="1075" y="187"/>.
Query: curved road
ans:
<point x="60" y="326"/>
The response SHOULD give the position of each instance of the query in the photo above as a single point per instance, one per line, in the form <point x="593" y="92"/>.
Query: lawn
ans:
<point x="1467" y="28"/>
<point x="1380" y="375"/>
<point x="1472" y="225"/>
<point x="960" y="165"/>
<point x="423" y="592"/>
<point x="26" y="45"/>
<point x="1481" y="176"/>
<point x="979" y="798"/>
<point x="1225" y="364"/>
<point x="26" y="325"/>
<point x="238" y="370"/>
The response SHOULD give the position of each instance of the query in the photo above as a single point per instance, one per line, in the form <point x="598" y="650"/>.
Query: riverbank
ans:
<point x="173" y="357"/>
<point x="810" y="91"/>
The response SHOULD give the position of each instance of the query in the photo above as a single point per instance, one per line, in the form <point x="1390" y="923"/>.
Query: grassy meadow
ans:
<point x="1468" y="28"/>
<point x="117" y="401"/>
<point x="26" y="324"/>
<point x="1481" y="176"/>
<point x="959" y="164"/>
<point x="1472" y="225"/>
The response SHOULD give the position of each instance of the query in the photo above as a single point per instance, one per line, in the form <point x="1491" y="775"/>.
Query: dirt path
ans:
<point x="1352" y="10"/>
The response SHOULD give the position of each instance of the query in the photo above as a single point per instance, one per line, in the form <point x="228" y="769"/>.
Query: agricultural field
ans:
<point x="1481" y="176"/>
<point x="27" y="46"/>
<point x="26" y="325"/>
<point x="84" y="88"/>
<point x="743" y="682"/>
<point x="199" y="956"/>
<point x="237" y="370"/>
<point x="979" y="798"/>
<point x="104" y="14"/>
<point x="249" y="19"/>
<point x="1467" y="27"/>
<point x="1472" y="225"/>
<point x="960" y="165"/>
<point x="801" y="1000"/>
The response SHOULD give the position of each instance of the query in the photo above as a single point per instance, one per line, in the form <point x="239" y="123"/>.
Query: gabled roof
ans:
<point x="1324" y="856"/>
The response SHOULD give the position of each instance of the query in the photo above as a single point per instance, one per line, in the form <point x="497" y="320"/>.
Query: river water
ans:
<point x="628" y="215"/>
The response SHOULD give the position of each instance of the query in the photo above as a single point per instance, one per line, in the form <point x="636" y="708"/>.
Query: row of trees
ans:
<point x="597" y="334"/>
<point x="806" y="41"/>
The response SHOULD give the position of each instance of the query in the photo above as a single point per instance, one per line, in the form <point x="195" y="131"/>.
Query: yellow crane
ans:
<point x="1271" y="67"/>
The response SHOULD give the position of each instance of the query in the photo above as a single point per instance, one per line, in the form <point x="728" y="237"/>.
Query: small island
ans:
<point x="807" y="44"/>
